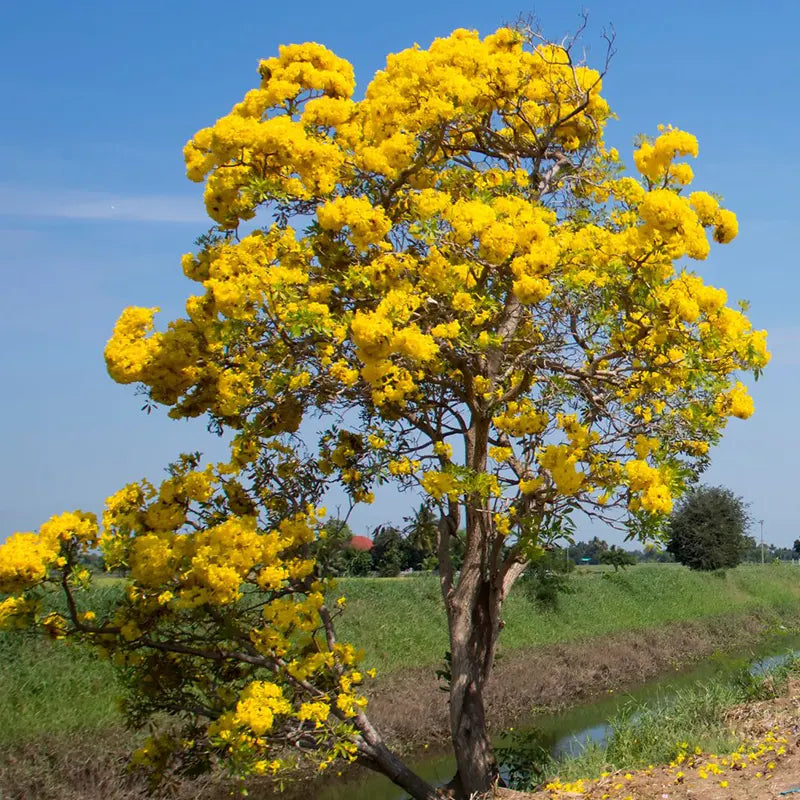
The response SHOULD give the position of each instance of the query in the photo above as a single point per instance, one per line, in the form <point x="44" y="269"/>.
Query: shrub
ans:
<point x="707" y="529"/>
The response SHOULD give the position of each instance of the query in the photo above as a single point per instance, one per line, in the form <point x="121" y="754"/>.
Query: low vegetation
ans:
<point x="387" y="618"/>
<point x="732" y="737"/>
<point x="693" y="720"/>
<point x="54" y="688"/>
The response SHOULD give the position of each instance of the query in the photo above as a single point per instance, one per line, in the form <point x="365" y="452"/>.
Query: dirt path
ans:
<point x="765" y="767"/>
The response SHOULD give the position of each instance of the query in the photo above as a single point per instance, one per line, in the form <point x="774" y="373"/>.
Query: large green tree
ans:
<point x="456" y="273"/>
<point x="707" y="530"/>
<point x="422" y="535"/>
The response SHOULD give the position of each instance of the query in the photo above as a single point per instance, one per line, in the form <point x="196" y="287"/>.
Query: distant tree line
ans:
<point x="412" y="547"/>
<point x="394" y="549"/>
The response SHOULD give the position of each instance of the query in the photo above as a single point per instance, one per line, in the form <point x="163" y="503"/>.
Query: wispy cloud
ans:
<point x="23" y="202"/>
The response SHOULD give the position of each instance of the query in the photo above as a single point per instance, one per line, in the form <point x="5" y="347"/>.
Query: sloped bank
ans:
<point x="401" y="624"/>
<point x="612" y="630"/>
<point x="411" y="709"/>
<point x="764" y="766"/>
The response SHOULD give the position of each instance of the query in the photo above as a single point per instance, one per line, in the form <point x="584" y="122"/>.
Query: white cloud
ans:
<point x="17" y="201"/>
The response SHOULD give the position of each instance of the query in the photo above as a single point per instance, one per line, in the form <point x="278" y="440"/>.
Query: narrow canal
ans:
<point x="565" y="733"/>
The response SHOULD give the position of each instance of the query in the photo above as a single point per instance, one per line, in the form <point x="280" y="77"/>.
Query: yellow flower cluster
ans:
<point x="264" y="139"/>
<point x="670" y="220"/>
<point x="654" y="159"/>
<point x="16" y="612"/>
<point x="520" y="418"/>
<point x="560" y="461"/>
<point x="574" y="788"/>
<point x="462" y="75"/>
<point x="736" y="402"/>
<point x="678" y="219"/>
<point x="648" y="489"/>
<point x="26" y="558"/>
<point x="439" y="484"/>
<point x="368" y="224"/>
<point x="258" y="706"/>
<point x="24" y="561"/>
<point x="215" y="563"/>
<point x="443" y="449"/>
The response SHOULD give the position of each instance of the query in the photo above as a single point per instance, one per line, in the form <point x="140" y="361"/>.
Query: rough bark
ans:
<point x="473" y="608"/>
<point x="474" y="630"/>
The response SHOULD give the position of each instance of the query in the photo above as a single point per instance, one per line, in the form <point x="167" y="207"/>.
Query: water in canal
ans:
<point x="565" y="733"/>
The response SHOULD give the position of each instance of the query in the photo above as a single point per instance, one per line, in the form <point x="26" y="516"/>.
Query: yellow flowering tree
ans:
<point x="456" y="272"/>
<point x="223" y="620"/>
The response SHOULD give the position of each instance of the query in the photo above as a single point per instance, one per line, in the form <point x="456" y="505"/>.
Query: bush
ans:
<point x="707" y="529"/>
<point x="617" y="557"/>
<point x="390" y="551"/>
<point x="358" y="563"/>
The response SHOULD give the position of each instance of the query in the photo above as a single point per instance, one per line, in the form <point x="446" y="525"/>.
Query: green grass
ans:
<point x="50" y="687"/>
<point x="655" y="733"/>
<point x="54" y="687"/>
<point x="400" y="622"/>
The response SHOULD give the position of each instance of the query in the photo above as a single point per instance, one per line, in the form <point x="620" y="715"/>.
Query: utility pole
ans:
<point x="761" y="523"/>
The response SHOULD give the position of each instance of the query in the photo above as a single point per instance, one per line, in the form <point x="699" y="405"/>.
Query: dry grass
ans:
<point x="93" y="767"/>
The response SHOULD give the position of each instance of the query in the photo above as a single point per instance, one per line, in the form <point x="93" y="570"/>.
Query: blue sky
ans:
<point x="95" y="210"/>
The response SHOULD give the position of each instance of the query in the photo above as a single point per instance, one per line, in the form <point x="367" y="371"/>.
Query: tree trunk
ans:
<point x="373" y="753"/>
<point x="473" y="612"/>
<point x="474" y="628"/>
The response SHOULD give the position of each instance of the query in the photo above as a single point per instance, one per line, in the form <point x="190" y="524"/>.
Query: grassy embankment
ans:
<point x="400" y="622"/>
<point x="707" y="728"/>
<point x="52" y="688"/>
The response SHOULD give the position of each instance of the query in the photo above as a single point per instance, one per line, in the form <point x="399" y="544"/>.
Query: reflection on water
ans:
<point x="574" y="744"/>
<point x="559" y="735"/>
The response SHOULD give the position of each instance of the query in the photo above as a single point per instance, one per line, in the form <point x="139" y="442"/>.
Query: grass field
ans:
<point x="51" y="687"/>
<point x="54" y="687"/>
<point x="400" y="621"/>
